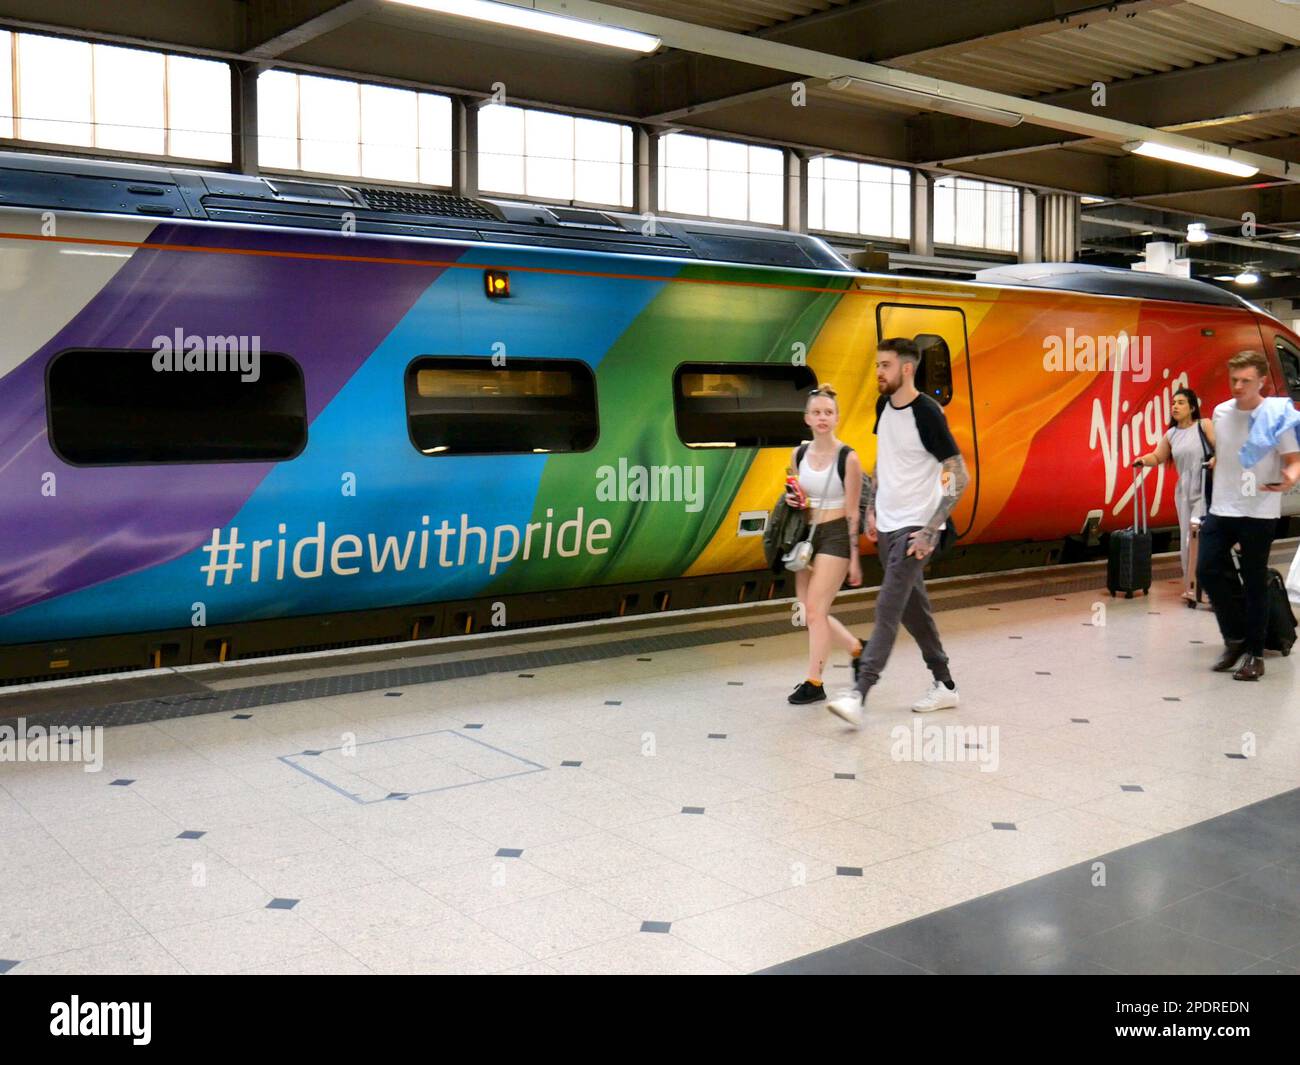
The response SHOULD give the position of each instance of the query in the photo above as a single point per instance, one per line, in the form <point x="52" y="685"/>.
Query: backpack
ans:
<point x="843" y="461"/>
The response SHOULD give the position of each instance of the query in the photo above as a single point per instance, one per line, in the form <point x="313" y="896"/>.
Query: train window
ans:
<point x="1289" y="357"/>
<point x="934" y="375"/>
<point x="720" y="404"/>
<point x="119" y="408"/>
<point x="464" y="405"/>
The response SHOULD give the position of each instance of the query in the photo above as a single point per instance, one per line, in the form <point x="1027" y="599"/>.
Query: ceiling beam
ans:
<point x="1189" y="100"/>
<point x="325" y="22"/>
<point x="806" y="63"/>
<point x="1282" y="19"/>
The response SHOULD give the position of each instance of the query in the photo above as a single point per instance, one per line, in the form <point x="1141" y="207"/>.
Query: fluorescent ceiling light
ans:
<point x="1224" y="277"/>
<point x="1247" y="277"/>
<point x="539" y="22"/>
<point x="1196" y="233"/>
<point x="1218" y="163"/>
<point x="1092" y="199"/>
<point x="926" y="101"/>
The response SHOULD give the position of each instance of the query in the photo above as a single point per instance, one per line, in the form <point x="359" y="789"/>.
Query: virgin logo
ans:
<point x="1122" y="436"/>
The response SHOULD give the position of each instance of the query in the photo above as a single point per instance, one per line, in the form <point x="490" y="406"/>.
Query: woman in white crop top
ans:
<point x="833" y="509"/>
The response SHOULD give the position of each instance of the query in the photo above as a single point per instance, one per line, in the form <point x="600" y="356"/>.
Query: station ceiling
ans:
<point x="1222" y="72"/>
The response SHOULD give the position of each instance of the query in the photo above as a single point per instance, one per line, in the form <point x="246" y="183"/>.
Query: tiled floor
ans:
<point x="668" y="811"/>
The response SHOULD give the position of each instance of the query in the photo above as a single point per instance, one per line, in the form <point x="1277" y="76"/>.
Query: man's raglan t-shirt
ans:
<point x="1235" y="495"/>
<point x="912" y="444"/>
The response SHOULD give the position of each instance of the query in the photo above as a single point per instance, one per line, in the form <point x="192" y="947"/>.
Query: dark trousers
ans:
<point x="1240" y="618"/>
<point x="901" y="600"/>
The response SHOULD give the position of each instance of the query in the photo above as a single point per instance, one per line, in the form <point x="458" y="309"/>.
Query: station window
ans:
<point x="716" y="178"/>
<point x="115" y="408"/>
<point x="337" y="126"/>
<point x="465" y="405"/>
<point x="721" y="404"/>
<point x="543" y="155"/>
<point x="976" y="214"/>
<point x="54" y="90"/>
<point x="845" y="196"/>
<point x="1289" y="357"/>
<point x="934" y="374"/>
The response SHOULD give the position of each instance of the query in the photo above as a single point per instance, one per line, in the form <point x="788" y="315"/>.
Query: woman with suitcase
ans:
<point x="1189" y="445"/>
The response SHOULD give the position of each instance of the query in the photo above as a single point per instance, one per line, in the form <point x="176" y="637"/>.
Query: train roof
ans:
<point x="99" y="186"/>
<point x="1109" y="281"/>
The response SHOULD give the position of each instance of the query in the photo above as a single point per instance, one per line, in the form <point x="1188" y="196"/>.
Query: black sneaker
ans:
<point x="808" y="693"/>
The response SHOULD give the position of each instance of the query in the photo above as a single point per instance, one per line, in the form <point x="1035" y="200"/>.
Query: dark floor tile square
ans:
<point x="848" y="870"/>
<point x="1005" y="826"/>
<point x="853" y="958"/>
<point x="190" y="833"/>
<point x="1059" y="963"/>
<point x="312" y="753"/>
<point x="527" y="676"/>
<point x="995" y="932"/>
<point x="717" y="735"/>
<point x="509" y="852"/>
<point x="1268" y="968"/>
<point x="570" y="765"/>
<point x="474" y="726"/>
<point x="692" y="809"/>
<point x="846" y="776"/>
<point x="1273" y="885"/>
<point x="282" y="904"/>
<point x="1079" y="720"/>
<point x="1131" y="787"/>
<point x="392" y="695"/>
<point x="735" y="683"/>
<point x="1289" y="957"/>
<point x="656" y="926"/>
<point x="241" y="717"/>
<point x="1234" y="922"/>
<point x="121" y="783"/>
<point x="1124" y="889"/>
<point x="399" y="796"/>
<point x="1147" y="947"/>
<point x="613" y="702"/>
<point x="1253" y="838"/>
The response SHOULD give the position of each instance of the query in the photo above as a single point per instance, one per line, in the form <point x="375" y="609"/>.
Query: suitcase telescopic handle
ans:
<point x="1139" y="500"/>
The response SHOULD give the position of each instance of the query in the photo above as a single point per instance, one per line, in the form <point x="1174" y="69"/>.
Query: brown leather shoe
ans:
<point x="1251" y="669"/>
<point x="1232" y="652"/>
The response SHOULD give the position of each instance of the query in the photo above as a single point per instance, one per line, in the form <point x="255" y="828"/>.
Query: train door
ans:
<point x="945" y="375"/>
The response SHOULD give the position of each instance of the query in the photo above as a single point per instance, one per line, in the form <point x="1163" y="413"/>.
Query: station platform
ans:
<point x="637" y="796"/>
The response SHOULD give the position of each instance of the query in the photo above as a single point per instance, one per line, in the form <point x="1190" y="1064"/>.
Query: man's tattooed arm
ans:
<point x="955" y="480"/>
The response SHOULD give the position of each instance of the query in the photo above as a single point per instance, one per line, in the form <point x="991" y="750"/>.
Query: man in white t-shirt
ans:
<point x="1247" y="503"/>
<point x="919" y="477"/>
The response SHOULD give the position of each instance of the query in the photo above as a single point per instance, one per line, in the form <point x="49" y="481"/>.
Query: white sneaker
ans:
<point x="939" y="697"/>
<point x="848" y="706"/>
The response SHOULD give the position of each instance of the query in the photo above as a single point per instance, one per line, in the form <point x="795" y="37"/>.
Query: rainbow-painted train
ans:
<point x="242" y="415"/>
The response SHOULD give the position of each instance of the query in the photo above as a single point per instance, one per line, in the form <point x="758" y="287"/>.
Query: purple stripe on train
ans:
<point x="106" y="522"/>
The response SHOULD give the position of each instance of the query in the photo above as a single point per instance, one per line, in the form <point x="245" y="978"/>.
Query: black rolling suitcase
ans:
<point x="1281" y="632"/>
<point x="1128" y="569"/>
<point x="1281" y="619"/>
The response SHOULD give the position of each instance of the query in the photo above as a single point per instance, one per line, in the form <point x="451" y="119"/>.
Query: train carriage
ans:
<point x="241" y="415"/>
